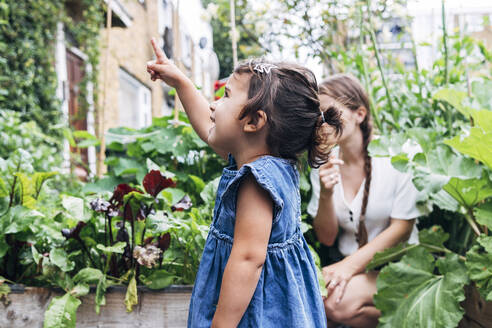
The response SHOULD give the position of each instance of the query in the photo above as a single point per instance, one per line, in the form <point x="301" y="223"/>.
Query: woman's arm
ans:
<point x="254" y="216"/>
<point x="397" y="232"/>
<point x="339" y="274"/>
<point x="196" y="106"/>
<point x="325" y="222"/>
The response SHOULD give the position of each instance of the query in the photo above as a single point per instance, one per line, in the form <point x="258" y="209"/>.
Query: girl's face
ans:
<point x="351" y="119"/>
<point x="227" y="130"/>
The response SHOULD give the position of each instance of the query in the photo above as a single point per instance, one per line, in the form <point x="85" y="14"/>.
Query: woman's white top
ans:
<point x="391" y="195"/>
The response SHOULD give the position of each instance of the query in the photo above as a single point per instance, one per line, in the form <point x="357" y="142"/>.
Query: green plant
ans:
<point x="435" y="124"/>
<point x="172" y="147"/>
<point x="141" y="235"/>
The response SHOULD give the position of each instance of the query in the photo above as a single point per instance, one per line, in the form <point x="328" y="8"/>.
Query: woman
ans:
<point x="364" y="201"/>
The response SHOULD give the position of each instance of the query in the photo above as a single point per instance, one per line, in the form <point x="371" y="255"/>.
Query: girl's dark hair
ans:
<point x="347" y="91"/>
<point x="288" y="94"/>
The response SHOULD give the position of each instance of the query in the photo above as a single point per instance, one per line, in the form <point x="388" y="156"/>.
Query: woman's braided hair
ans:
<point x="348" y="91"/>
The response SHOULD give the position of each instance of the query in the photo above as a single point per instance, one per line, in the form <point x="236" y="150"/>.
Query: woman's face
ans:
<point x="351" y="119"/>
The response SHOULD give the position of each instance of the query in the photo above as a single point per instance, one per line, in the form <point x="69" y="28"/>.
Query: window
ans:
<point x="135" y="110"/>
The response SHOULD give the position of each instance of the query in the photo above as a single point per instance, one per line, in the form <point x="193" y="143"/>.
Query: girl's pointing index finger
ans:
<point x="161" y="56"/>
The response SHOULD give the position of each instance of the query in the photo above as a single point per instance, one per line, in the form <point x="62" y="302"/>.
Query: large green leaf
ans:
<point x="118" y="248"/>
<point x="28" y="190"/>
<point x="74" y="206"/>
<point x="40" y="177"/>
<point x="434" y="169"/>
<point x="486" y="242"/>
<point x="433" y="236"/>
<point x="481" y="91"/>
<point x="159" y="279"/>
<point x="19" y="219"/>
<point x="4" y="290"/>
<point x="131" y="297"/>
<point x="480" y="271"/>
<point x="88" y="275"/>
<point x="387" y="145"/>
<point x="432" y="239"/>
<point x="411" y="295"/>
<point x="469" y="192"/>
<point x="62" y="312"/>
<point x="80" y="290"/>
<point x="455" y="98"/>
<point x="477" y="144"/>
<point x="483" y="213"/>
<point x="100" y="298"/>
<point x="483" y="119"/>
<point x="389" y="255"/>
<point x="59" y="258"/>
<point x="3" y="189"/>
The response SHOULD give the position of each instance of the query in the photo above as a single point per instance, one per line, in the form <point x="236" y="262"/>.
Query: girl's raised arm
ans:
<point x="196" y="106"/>
<point x="254" y="217"/>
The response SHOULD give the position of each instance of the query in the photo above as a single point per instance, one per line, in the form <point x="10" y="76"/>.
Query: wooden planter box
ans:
<point x="163" y="308"/>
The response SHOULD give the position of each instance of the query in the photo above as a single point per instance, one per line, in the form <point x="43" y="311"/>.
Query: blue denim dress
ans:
<point x="287" y="294"/>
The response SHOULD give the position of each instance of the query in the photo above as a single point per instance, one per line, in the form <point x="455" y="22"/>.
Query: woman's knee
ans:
<point x="359" y="293"/>
<point x="340" y="312"/>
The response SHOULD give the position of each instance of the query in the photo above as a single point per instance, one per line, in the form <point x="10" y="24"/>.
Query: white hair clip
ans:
<point x="264" y="67"/>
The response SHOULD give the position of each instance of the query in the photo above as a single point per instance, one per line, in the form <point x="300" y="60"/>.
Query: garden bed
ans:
<point x="163" y="308"/>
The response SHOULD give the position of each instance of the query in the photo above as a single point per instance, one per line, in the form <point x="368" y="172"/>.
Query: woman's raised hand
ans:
<point x="329" y="174"/>
<point x="162" y="68"/>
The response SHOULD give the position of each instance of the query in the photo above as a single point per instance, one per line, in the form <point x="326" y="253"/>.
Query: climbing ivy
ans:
<point x="28" y="79"/>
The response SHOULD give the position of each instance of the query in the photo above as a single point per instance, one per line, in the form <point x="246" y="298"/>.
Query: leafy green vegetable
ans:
<point x="62" y="312"/>
<point x="131" y="297"/>
<point x="411" y="295"/>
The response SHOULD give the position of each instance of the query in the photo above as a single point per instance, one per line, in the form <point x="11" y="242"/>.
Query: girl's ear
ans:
<point x="256" y="121"/>
<point x="361" y="114"/>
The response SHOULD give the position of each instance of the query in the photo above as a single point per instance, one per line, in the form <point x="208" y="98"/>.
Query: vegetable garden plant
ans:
<point x="60" y="234"/>
<point x="136" y="225"/>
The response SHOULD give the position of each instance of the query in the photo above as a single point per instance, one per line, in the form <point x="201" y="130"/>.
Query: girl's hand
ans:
<point x="329" y="175"/>
<point x="162" y="68"/>
<point x="337" y="277"/>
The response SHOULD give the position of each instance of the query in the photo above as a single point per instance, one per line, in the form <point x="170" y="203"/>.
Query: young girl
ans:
<point x="372" y="205"/>
<point x="256" y="269"/>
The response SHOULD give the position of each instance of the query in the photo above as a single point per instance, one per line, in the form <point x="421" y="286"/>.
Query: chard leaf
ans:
<point x="60" y="258"/>
<point x="62" y="312"/>
<point x="3" y="189"/>
<point x="4" y="291"/>
<point x="118" y="248"/>
<point x="88" y="275"/>
<point x="74" y="206"/>
<point x="483" y="213"/>
<point x="131" y="297"/>
<point x="100" y="294"/>
<point x="411" y="295"/>
<point x="28" y="190"/>
<point x="159" y="279"/>
<point x="480" y="271"/>
<point x="40" y="177"/>
<point x="80" y="290"/>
